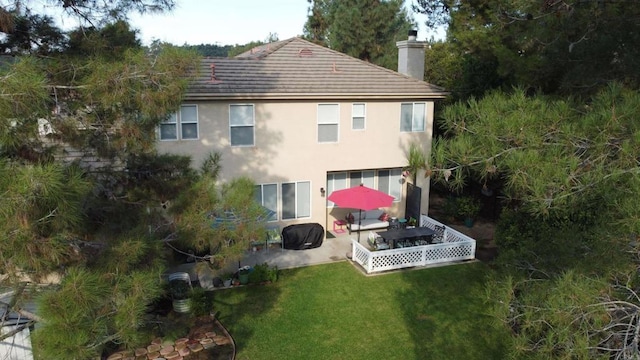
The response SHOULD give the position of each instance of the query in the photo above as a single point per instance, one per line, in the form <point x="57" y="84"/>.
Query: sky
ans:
<point x="230" y="22"/>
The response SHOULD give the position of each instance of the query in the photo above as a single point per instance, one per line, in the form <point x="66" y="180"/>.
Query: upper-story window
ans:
<point x="328" y="117"/>
<point x="242" y="124"/>
<point x="412" y="117"/>
<point x="181" y="125"/>
<point x="358" y="116"/>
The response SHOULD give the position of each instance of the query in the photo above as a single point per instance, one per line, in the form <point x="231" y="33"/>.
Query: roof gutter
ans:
<point x="324" y="96"/>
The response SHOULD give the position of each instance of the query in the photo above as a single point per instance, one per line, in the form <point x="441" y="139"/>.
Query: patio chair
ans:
<point x="376" y="242"/>
<point x="438" y="237"/>
<point x="274" y="237"/>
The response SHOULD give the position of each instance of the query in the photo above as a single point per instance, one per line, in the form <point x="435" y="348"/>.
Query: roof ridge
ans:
<point x="264" y="50"/>
<point x="370" y="64"/>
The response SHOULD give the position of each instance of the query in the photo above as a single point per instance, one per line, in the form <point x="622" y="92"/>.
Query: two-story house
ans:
<point x="302" y="121"/>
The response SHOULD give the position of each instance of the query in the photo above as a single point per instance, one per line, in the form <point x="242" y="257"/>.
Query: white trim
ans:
<point x="296" y="211"/>
<point x="364" y="116"/>
<point x="253" y="125"/>
<point x="413" y="111"/>
<point x="177" y="123"/>
<point x="336" y="123"/>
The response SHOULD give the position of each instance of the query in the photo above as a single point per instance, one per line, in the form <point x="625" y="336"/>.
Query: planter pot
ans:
<point x="468" y="222"/>
<point x="182" y="306"/>
<point x="227" y="282"/>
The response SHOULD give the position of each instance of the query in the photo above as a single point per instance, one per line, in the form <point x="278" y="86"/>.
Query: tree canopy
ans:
<point x="563" y="47"/>
<point x="365" y="29"/>
<point x="568" y="176"/>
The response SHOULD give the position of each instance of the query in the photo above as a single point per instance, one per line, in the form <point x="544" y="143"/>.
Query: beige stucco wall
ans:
<point x="286" y="147"/>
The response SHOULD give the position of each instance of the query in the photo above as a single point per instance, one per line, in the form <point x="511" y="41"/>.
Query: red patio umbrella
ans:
<point x="361" y="198"/>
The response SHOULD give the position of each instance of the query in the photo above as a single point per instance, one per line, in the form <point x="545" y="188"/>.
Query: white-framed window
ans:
<point x="385" y="180"/>
<point x="413" y="117"/>
<point x="296" y="200"/>
<point x="267" y="196"/>
<point x="335" y="181"/>
<point x="181" y="125"/>
<point x="358" y="113"/>
<point x="242" y="124"/>
<point x="390" y="182"/>
<point x="366" y="178"/>
<point x="328" y="118"/>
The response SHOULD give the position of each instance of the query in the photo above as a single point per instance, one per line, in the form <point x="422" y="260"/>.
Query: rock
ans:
<point x="172" y="355"/>
<point x="184" y="351"/>
<point x="154" y="348"/>
<point x="195" y="347"/>
<point x="181" y="341"/>
<point x="221" y="340"/>
<point x="153" y="355"/>
<point x="167" y="350"/>
<point x="140" y="351"/>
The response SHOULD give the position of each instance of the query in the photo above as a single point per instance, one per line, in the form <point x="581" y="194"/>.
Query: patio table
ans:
<point x="391" y="236"/>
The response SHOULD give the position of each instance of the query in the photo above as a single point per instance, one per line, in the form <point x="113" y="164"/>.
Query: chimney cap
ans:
<point x="413" y="34"/>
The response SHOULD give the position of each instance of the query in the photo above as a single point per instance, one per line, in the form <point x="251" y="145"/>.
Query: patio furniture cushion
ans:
<point x="368" y="221"/>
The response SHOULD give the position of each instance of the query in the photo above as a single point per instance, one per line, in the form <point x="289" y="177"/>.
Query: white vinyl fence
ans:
<point x="456" y="246"/>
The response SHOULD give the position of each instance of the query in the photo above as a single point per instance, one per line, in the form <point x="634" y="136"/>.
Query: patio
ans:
<point x="456" y="247"/>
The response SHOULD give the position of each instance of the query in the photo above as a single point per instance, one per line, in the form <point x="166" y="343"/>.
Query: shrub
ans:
<point x="263" y="272"/>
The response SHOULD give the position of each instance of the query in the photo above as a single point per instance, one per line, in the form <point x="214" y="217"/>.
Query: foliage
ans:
<point x="179" y="289"/>
<point x="197" y="210"/>
<point x="263" y="272"/>
<point x="416" y="159"/>
<point x="365" y="29"/>
<point x="540" y="248"/>
<point x="558" y="47"/>
<point x="99" y="93"/>
<point x="567" y="271"/>
<point x="40" y="216"/>
<point x="91" y="310"/>
<point x="84" y="11"/>
<point x="554" y="156"/>
<point x="467" y="207"/>
<point x="239" y="49"/>
<point x="209" y="50"/>
<point x="202" y="301"/>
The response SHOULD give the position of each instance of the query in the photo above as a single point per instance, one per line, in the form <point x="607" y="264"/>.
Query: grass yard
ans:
<point x="334" y="312"/>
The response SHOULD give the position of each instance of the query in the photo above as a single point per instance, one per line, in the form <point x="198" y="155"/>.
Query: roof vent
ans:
<point x="306" y="52"/>
<point x="213" y="74"/>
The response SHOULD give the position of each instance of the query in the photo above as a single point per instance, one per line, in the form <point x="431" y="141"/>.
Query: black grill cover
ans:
<point x="302" y="236"/>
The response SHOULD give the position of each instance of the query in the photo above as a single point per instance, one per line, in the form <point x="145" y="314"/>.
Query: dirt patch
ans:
<point x="482" y="231"/>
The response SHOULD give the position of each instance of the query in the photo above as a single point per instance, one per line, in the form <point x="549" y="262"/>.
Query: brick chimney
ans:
<point x="411" y="56"/>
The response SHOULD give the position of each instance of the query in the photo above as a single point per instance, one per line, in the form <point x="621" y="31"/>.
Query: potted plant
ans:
<point x="467" y="208"/>
<point x="180" y="289"/>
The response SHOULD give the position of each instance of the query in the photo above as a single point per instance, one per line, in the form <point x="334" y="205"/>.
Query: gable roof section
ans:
<point x="298" y="69"/>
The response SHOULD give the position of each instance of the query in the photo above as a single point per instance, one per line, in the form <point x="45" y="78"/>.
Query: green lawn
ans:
<point x="334" y="312"/>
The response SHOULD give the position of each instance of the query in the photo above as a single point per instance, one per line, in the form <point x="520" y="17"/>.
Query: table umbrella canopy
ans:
<point x="361" y="198"/>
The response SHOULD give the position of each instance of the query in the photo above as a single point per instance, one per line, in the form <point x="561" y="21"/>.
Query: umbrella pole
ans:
<point x="359" y="223"/>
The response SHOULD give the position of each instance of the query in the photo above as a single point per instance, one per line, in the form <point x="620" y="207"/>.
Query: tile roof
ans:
<point x="298" y="69"/>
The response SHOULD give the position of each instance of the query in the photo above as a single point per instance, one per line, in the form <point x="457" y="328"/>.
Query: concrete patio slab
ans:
<point x="332" y="250"/>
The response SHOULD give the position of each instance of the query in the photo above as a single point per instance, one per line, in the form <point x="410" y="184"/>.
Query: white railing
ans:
<point x="456" y="246"/>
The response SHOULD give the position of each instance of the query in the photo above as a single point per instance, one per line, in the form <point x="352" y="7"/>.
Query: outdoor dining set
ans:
<point x="404" y="237"/>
